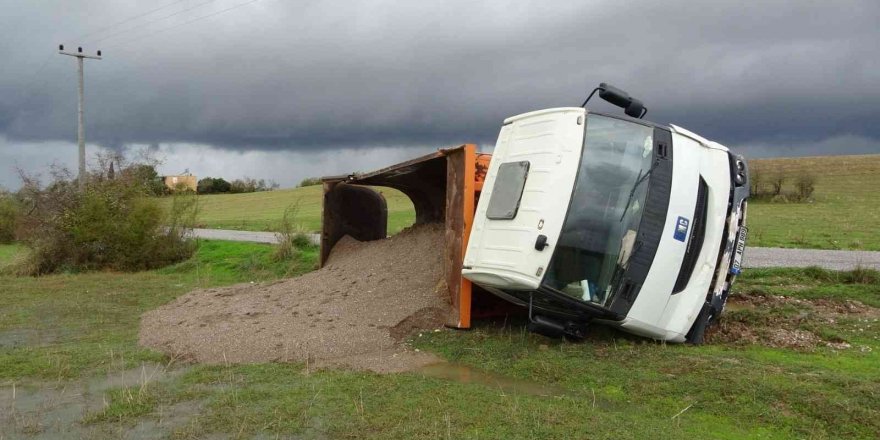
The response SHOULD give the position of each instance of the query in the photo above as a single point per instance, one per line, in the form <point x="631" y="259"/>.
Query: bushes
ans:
<point x="9" y="211"/>
<point x="290" y="237"/>
<point x="210" y="185"/>
<point x="859" y="275"/>
<point x="248" y="185"/>
<point x="145" y="176"/>
<point x="108" y="224"/>
<point x="776" y="180"/>
<point x="756" y="180"/>
<point x="805" y="184"/>
<point x="769" y="185"/>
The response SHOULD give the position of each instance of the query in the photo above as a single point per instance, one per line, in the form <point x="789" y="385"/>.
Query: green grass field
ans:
<point x="793" y="356"/>
<point x="844" y="212"/>
<point x="72" y="334"/>
<point x="263" y="211"/>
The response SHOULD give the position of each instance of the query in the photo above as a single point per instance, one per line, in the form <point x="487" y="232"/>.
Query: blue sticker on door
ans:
<point x="681" y="229"/>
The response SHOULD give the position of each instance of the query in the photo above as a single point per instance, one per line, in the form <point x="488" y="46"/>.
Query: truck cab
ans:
<point x="590" y="217"/>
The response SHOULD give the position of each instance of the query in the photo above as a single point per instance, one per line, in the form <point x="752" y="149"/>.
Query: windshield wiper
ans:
<point x="639" y="179"/>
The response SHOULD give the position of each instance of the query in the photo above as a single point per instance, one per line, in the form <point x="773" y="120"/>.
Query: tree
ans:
<point x="146" y="176"/>
<point x="221" y="186"/>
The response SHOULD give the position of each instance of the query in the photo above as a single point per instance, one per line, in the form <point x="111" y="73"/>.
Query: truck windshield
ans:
<point x="606" y="209"/>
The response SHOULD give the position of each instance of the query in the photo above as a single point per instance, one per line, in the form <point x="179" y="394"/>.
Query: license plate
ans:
<point x="736" y="266"/>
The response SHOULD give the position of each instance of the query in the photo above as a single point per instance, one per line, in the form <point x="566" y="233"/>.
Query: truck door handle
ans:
<point x="541" y="242"/>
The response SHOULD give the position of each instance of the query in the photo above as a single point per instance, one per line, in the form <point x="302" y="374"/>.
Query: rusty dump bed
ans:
<point x="443" y="187"/>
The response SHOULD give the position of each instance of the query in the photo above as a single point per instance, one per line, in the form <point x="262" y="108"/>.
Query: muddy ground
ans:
<point x="57" y="409"/>
<point x="355" y="311"/>
<point x="787" y="322"/>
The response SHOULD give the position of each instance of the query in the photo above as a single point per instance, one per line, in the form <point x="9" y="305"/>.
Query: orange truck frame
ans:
<point x="443" y="186"/>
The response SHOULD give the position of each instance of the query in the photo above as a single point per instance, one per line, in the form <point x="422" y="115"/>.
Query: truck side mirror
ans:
<point x="632" y="107"/>
<point x="635" y="109"/>
<point x="614" y="95"/>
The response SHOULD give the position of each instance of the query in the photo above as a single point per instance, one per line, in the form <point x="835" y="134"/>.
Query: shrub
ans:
<point x="205" y="186"/>
<point x="9" y="211"/>
<point x="144" y="176"/>
<point x="290" y="237"/>
<point x="859" y="275"/>
<point x="210" y="185"/>
<point x="107" y="224"/>
<point x="248" y="185"/>
<point x="776" y="181"/>
<point x="220" y="185"/>
<point x="805" y="184"/>
<point x="769" y="185"/>
<point x="756" y="180"/>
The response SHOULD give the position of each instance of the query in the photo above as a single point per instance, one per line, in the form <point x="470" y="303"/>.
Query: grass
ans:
<point x="67" y="325"/>
<point x="9" y="252"/>
<point x="262" y="211"/>
<point x="814" y="283"/>
<point x="844" y="212"/>
<point x="610" y="386"/>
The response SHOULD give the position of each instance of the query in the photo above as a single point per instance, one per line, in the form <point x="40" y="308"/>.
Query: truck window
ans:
<point x="602" y="222"/>
<point x="507" y="190"/>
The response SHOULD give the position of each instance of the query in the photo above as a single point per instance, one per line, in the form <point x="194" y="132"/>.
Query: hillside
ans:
<point x="844" y="212"/>
<point x="262" y="211"/>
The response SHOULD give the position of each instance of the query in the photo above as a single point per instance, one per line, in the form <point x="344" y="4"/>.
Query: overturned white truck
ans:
<point x="577" y="216"/>
<point x="594" y="217"/>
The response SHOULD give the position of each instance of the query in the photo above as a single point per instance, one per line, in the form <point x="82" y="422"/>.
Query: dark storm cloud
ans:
<point x="320" y="75"/>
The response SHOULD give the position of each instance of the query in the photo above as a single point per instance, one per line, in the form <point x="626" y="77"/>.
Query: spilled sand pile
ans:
<point x="353" y="312"/>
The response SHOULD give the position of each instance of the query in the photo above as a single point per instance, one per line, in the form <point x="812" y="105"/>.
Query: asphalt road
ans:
<point x="836" y="260"/>
<point x="753" y="257"/>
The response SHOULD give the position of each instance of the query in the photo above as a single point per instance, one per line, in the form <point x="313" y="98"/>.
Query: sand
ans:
<point x="355" y="311"/>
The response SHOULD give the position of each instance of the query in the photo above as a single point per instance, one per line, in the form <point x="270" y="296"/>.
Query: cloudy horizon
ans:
<point x="287" y="90"/>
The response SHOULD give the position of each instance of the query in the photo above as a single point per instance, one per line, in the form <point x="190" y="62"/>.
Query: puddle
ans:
<point x="26" y="337"/>
<point x="168" y="418"/>
<point x="54" y="410"/>
<point x="731" y="305"/>
<point x="508" y="385"/>
<point x="145" y="374"/>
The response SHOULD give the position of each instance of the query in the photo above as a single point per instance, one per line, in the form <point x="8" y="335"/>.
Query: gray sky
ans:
<point x="286" y="89"/>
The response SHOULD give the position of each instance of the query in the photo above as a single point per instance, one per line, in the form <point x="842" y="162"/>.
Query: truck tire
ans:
<point x="698" y="331"/>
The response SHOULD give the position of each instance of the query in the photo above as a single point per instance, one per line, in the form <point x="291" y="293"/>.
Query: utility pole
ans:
<point x="80" y="128"/>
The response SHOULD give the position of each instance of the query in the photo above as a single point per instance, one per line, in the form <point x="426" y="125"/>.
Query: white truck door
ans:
<point x="525" y="198"/>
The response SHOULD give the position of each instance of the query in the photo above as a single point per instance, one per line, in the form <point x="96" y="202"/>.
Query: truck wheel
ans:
<point x="698" y="330"/>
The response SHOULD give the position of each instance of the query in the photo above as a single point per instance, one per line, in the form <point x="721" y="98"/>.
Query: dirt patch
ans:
<point x="821" y="306"/>
<point x="737" y="332"/>
<point x="780" y="321"/>
<point x="354" y="311"/>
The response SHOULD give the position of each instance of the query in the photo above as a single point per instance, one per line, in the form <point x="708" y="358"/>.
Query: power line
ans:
<point x="134" y="17"/>
<point x="29" y="95"/>
<point x="36" y="74"/>
<point x="29" y="90"/>
<point x="124" y="31"/>
<point x="149" y="34"/>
